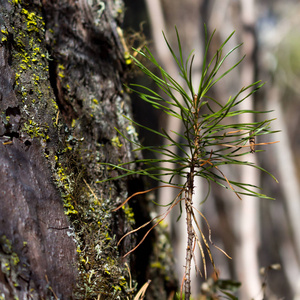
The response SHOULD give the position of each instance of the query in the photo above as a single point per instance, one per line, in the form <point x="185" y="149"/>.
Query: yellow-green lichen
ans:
<point x="5" y="244"/>
<point x="14" y="258"/>
<point x="5" y="35"/>
<point x="116" y="142"/>
<point x="32" y="20"/>
<point x="73" y="124"/>
<point x="127" y="58"/>
<point x="15" y="1"/>
<point x="129" y="214"/>
<point x="28" y="55"/>
<point x="61" y="74"/>
<point x="34" y="130"/>
<point x="157" y="265"/>
<point x="54" y="104"/>
<point x="9" y="260"/>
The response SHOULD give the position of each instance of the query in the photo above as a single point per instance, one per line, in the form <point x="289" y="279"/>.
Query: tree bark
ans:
<point x="61" y="95"/>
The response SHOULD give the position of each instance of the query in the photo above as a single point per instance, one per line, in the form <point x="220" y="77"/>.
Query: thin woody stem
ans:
<point x="189" y="204"/>
<point x="190" y="232"/>
<point x="189" y="218"/>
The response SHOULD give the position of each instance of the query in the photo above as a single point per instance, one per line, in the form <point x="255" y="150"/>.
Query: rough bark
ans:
<point x="36" y="244"/>
<point x="62" y="67"/>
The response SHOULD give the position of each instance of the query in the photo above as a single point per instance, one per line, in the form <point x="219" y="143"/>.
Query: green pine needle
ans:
<point x="200" y="115"/>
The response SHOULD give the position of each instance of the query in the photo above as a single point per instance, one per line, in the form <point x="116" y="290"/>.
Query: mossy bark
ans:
<point x="61" y="95"/>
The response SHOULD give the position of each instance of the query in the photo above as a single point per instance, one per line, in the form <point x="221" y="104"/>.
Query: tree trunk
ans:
<point x="61" y="95"/>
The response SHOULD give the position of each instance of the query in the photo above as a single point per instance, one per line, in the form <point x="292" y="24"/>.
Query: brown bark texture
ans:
<point x="61" y="95"/>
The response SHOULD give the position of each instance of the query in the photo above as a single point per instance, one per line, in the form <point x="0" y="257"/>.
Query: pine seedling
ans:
<point x="210" y="139"/>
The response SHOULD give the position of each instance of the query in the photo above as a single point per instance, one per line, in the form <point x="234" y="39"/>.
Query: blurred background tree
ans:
<point x="259" y="234"/>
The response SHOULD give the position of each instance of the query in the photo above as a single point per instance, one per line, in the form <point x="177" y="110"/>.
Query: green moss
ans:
<point x="65" y="182"/>
<point x="99" y="269"/>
